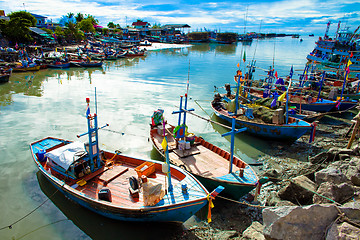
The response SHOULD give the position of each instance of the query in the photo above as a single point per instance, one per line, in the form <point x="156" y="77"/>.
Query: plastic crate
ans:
<point x="147" y="168"/>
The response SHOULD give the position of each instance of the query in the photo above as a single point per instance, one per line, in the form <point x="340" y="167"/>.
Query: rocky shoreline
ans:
<point x="313" y="192"/>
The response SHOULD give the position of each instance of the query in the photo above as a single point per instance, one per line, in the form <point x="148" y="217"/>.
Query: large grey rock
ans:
<point x="309" y="222"/>
<point x="355" y="179"/>
<point x="299" y="191"/>
<point x="338" y="193"/>
<point x="343" y="231"/>
<point x="330" y="175"/>
<point x="254" y="232"/>
<point x="225" y="235"/>
<point x="298" y="223"/>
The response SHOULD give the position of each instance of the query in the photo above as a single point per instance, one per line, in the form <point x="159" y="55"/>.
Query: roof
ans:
<point x="176" y="26"/>
<point x="140" y="23"/>
<point x="2" y="13"/>
<point x="37" y="30"/>
<point x="37" y="16"/>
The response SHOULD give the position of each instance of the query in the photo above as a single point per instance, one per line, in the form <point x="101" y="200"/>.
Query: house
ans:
<point x="40" y="20"/>
<point x="141" y="25"/>
<point x="2" y="15"/>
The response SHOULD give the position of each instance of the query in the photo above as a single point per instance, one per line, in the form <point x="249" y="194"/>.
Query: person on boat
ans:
<point x="237" y="75"/>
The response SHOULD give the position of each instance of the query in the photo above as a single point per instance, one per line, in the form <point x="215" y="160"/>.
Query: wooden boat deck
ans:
<point x="196" y="159"/>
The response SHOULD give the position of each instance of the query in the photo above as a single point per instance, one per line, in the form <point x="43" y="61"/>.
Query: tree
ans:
<point x="92" y="18"/>
<point x="17" y="29"/>
<point x="111" y="25"/>
<point x="79" y="17"/>
<point x="86" y="25"/>
<point x="24" y="15"/>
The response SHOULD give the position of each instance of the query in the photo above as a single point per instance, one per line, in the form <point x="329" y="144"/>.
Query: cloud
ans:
<point x="227" y="15"/>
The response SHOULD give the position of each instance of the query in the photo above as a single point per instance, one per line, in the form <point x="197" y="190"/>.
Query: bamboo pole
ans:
<point x="355" y="130"/>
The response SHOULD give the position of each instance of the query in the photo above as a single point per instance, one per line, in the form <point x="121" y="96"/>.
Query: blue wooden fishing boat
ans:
<point x="118" y="186"/>
<point x="86" y="64"/>
<point x="278" y="128"/>
<point x="210" y="164"/>
<point x="59" y="65"/>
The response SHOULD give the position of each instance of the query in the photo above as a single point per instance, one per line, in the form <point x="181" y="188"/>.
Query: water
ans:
<point x="52" y="103"/>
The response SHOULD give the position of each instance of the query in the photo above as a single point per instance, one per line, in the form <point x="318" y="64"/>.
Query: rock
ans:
<point x="299" y="191"/>
<point x="224" y="235"/>
<point x="319" y="158"/>
<point x="284" y="203"/>
<point x="254" y="232"/>
<point x="352" y="204"/>
<point x="343" y="231"/>
<point x="343" y="156"/>
<point x="272" y="174"/>
<point x="298" y="223"/>
<point x="338" y="193"/>
<point x="355" y="179"/>
<point x="330" y="175"/>
<point x="272" y="199"/>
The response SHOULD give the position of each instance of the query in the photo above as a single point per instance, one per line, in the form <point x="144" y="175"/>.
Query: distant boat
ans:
<point x="5" y="75"/>
<point x="311" y="35"/>
<point x="59" y="65"/>
<point x="118" y="186"/>
<point x="336" y="52"/>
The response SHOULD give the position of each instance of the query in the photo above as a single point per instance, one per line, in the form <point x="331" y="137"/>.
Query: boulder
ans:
<point x="299" y="191"/>
<point x="338" y="193"/>
<point x="225" y="235"/>
<point x="298" y="223"/>
<point x="272" y="199"/>
<point x="331" y="175"/>
<point x="254" y="232"/>
<point x="284" y="203"/>
<point x="343" y="231"/>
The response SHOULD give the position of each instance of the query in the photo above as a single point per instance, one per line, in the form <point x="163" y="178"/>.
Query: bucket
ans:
<point x="190" y="138"/>
<point x="41" y="155"/>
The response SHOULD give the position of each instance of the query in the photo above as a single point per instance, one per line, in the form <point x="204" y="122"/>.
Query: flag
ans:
<point x="351" y="54"/>
<point x="16" y="46"/>
<point x="238" y="65"/>
<point x="276" y="75"/>
<point x="273" y="103"/>
<point x="291" y="72"/>
<point x="164" y="144"/>
<point x="349" y="63"/>
<point x="87" y="110"/>
<point x="244" y="57"/>
<point x="281" y="97"/>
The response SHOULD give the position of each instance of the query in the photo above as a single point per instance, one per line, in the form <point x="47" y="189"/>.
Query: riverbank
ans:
<point x="309" y="185"/>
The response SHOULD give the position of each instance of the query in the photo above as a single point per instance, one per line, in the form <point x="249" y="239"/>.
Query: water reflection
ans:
<point x="225" y="49"/>
<point x="247" y="147"/>
<point x="99" y="227"/>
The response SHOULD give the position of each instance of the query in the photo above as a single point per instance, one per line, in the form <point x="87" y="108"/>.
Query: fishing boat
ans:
<point x="210" y="164"/>
<point x="117" y="186"/>
<point x="135" y="53"/>
<point x="335" y="52"/>
<point x="59" y="65"/>
<point x="86" y="64"/>
<point x="5" y="75"/>
<point x="30" y="68"/>
<point x="258" y="120"/>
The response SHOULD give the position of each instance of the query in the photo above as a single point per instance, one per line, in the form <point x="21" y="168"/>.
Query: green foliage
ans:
<point x="48" y="31"/>
<point x="227" y="36"/>
<point x="111" y="25"/>
<point x="23" y="15"/>
<point x="105" y="31"/>
<point x="92" y="19"/>
<point x="198" y="36"/>
<point x="79" y="17"/>
<point x="86" y="25"/>
<point x="156" y="26"/>
<point x="17" y="29"/>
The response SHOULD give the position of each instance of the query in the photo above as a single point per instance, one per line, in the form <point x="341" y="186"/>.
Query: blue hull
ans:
<point x="316" y="107"/>
<point x="173" y="207"/>
<point x="291" y="131"/>
<point x="65" y="65"/>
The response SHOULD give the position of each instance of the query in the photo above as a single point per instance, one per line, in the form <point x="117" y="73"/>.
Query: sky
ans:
<point x="266" y="16"/>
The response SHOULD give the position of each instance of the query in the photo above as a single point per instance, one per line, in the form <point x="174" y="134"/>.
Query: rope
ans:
<point x="209" y="120"/>
<point x="201" y="107"/>
<point x="11" y="225"/>
<point x="243" y="202"/>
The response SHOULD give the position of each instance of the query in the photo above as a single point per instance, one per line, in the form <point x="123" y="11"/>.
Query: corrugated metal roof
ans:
<point x="176" y="26"/>
<point x="37" y="30"/>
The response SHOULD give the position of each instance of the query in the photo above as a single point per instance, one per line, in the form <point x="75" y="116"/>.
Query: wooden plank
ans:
<point x="112" y="173"/>
<point x="187" y="152"/>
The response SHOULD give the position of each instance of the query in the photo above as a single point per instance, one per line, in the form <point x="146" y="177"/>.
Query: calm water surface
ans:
<point x="52" y="103"/>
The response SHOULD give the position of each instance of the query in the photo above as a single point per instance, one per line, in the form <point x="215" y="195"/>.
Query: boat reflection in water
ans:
<point x="99" y="227"/>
